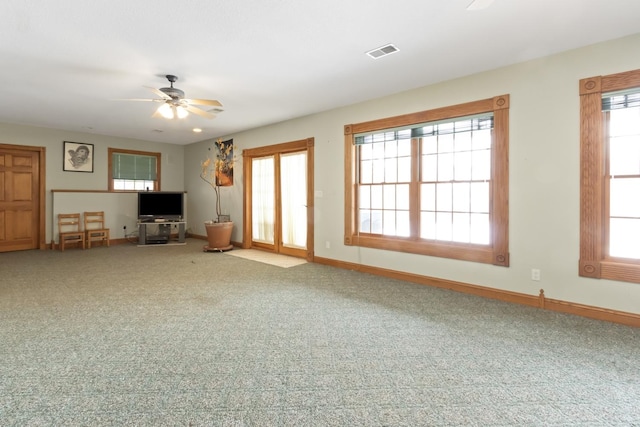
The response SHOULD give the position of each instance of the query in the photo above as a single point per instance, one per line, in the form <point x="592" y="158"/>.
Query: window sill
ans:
<point x="465" y="252"/>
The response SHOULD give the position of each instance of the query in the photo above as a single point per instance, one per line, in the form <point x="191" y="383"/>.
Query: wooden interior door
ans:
<point x="21" y="198"/>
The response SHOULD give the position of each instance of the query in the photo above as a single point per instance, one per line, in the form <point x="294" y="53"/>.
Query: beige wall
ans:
<point x="544" y="175"/>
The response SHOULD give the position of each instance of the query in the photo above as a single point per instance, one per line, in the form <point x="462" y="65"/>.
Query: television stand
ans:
<point x="164" y="232"/>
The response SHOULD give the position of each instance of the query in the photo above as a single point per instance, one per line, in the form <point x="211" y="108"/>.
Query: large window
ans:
<point x="610" y="177"/>
<point x="434" y="182"/>
<point x="133" y="170"/>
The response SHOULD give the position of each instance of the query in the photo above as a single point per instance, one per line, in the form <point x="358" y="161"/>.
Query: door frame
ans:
<point x="287" y="147"/>
<point x="42" y="202"/>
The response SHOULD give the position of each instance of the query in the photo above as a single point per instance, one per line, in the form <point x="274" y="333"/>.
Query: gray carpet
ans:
<point x="173" y="336"/>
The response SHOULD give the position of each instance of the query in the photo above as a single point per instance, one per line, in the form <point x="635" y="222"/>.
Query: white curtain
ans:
<point x="293" y="183"/>
<point x="263" y="199"/>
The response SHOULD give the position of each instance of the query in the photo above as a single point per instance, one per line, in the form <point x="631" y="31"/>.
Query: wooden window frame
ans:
<point x="497" y="252"/>
<point x="594" y="262"/>
<point x="112" y="151"/>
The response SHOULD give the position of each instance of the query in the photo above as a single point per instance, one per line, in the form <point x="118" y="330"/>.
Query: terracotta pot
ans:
<point x="218" y="236"/>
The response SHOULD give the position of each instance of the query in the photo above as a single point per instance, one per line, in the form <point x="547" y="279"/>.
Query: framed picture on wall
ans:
<point x="77" y="157"/>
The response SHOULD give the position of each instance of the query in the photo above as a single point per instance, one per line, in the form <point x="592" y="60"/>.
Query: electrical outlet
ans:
<point x="535" y="274"/>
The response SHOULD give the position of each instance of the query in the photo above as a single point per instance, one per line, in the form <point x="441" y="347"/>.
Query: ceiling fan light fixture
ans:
<point x="166" y="111"/>
<point x="181" y="112"/>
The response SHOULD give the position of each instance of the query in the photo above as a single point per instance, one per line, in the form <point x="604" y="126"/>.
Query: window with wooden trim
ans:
<point x="133" y="170"/>
<point x="610" y="177"/>
<point x="433" y="183"/>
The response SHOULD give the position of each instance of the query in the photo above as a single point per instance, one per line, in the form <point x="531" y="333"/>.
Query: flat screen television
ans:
<point x="167" y="205"/>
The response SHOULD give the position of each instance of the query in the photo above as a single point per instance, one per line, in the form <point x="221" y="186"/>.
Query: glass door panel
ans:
<point x="293" y="196"/>
<point x="263" y="200"/>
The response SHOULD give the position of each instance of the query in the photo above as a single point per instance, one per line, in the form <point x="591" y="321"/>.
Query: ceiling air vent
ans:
<point x="382" y="51"/>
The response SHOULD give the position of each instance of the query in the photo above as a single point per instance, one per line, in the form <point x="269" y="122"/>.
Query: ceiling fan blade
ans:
<point x="479" y="4"/>
<point x="140" y="99"/>
<point x="158" y="92"/>
<point x="198" y="111"/>
<point x="211" y="102"/>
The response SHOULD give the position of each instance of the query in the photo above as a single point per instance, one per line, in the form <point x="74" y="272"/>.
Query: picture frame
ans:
<point x="77" y="157"/>
<point x="225" y="160"/>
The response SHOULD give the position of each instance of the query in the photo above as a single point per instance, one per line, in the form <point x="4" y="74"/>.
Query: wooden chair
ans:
<point x="69" y="230"/>
<point x="94" y="228"/>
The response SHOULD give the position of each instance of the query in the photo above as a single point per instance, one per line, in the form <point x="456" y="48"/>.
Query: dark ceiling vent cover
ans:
<point x="382" y="51"/>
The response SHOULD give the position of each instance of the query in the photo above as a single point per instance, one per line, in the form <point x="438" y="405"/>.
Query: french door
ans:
<point x="278" y="189"/>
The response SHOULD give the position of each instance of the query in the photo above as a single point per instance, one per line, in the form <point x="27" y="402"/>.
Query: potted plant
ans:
<point x="217" y="171"/>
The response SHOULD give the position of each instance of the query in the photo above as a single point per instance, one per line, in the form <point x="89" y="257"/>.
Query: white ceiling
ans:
<point x="64" y="63"/>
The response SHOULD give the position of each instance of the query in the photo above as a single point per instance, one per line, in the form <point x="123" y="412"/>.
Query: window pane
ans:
<point x="365" y="221"/>
<point x="625" y="121"/>
<point x="404" y="169"/>
<point x="462" y="166"/>
<point x="391" y="149"/>
<point x="480" y="197"/>
<point x="444" y="197"/>
<point x="445" y="129"/>
<point x="430" y="168"/>
<point x="118" y="184"/>
<point x="263" y="199"/>
<point x="377" y="151"/>
<point x="461" y="197"/>
<point x="389" y="223"/>
<point x="403" y="227"/>
<point x="462" y="141"/>
<point x="461" y="227"/>
<point x="445" y="167"/>
<point x="428" y="197"/>
<point x="445" y="143"/>
<point x="389" y="196"/>
<point x="378" y="170"/>
<point x="402" y="197"/>
<point x="376" y="222"/>
<point x="481" y="139"/>
<point x="390" y="170"/>
<point x="404" y="147"/>
<point x="366" y="151"/>
<point x="428" y="225"/>
<point x="481" y="165"/>
<point x="625" y="197"/>
<point x="480" y="229"/>
<point x="443" y="226"/>
<point x="430" y="145"/>
<point x="376" y="197"/>
<point x="366" y="172"/>
<point x="624" y="235"/>
<point x="365" y="197"/>
<point x="133" y="185"/>
<point x="624" y="155"/>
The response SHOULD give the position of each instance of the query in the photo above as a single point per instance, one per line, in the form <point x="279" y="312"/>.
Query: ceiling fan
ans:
<point x="175" y="105"/>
